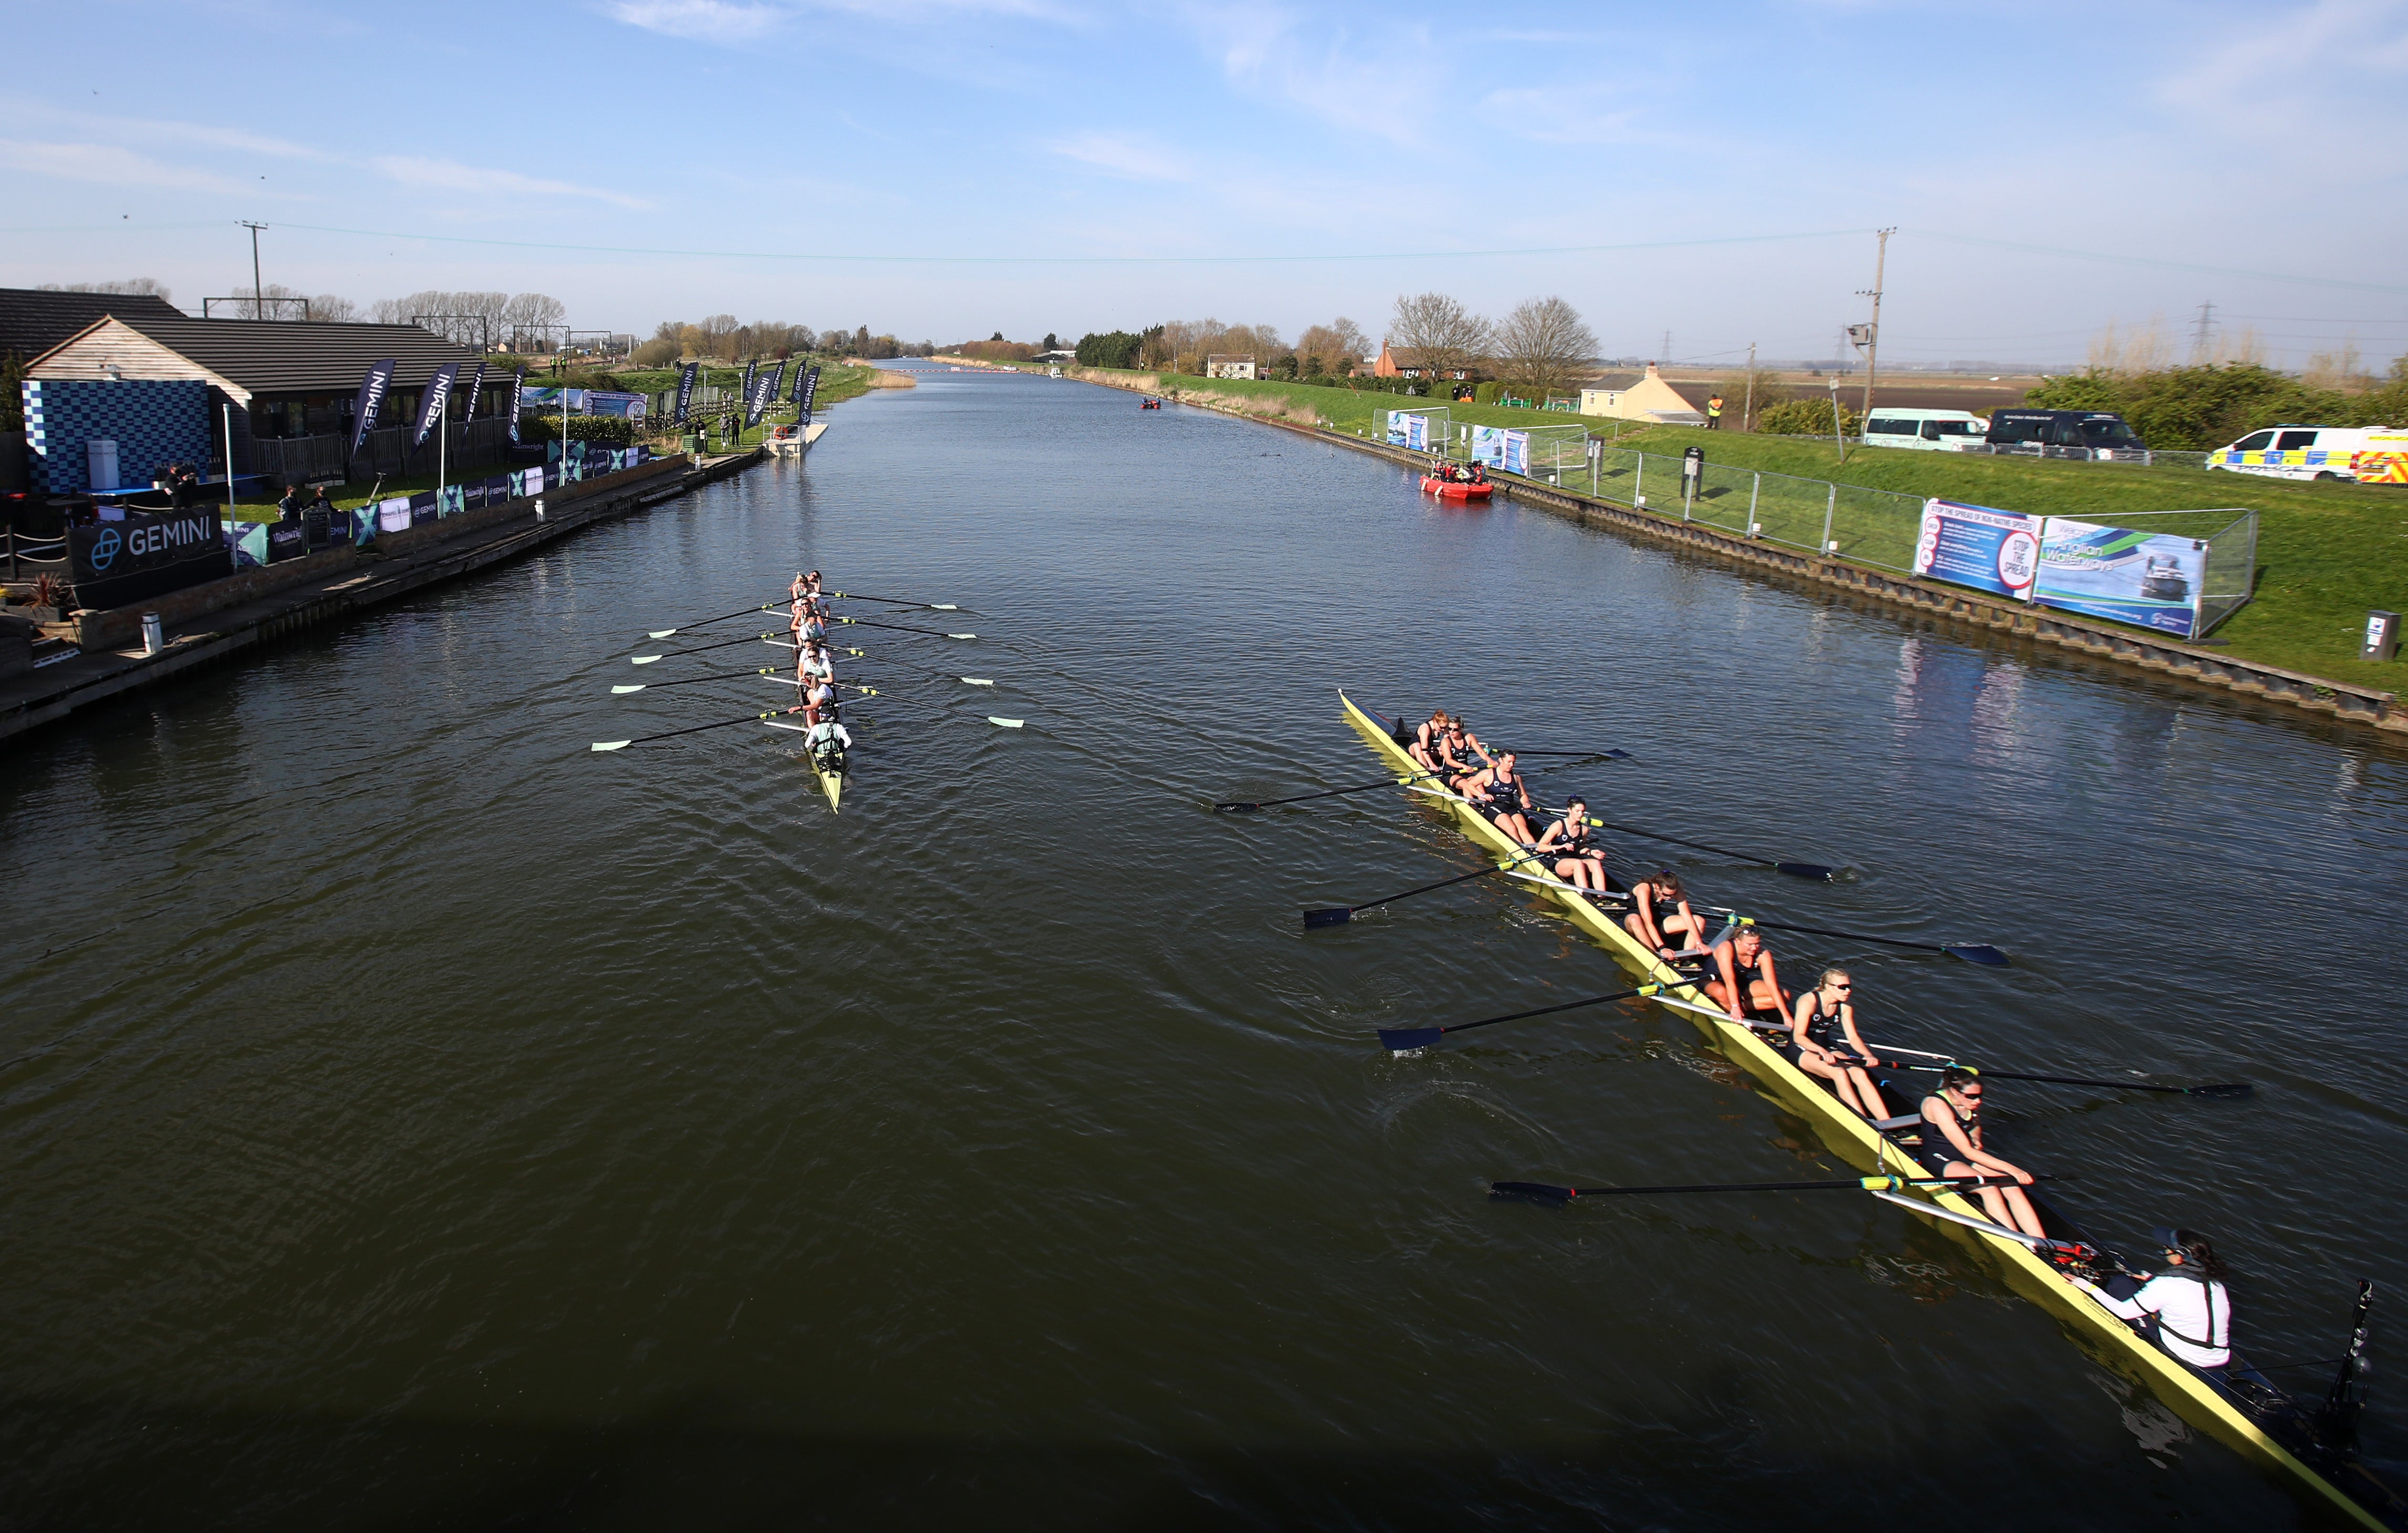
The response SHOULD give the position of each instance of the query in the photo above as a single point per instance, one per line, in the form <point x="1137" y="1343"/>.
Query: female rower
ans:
<point x="819" y="701"/>
<point x="2184" y="1309"/>
<point x="1660" y="915"/>
<point x="812" y="663"/>
<point x="1424" y="747"/>
<point x="1741" y="979"/>
<point x="1499" y="793"/>
<point x="1824" y="1029"/>
<point x="1454" y="752"/>
<point x="1952" y="1147"/>
<point x="1579" y="860"/>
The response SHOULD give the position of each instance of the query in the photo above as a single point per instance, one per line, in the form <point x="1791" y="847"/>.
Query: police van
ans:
<point x="1933" y="431"/>
<point x="2095" y="434"/>
<point x="2369" y="455"/>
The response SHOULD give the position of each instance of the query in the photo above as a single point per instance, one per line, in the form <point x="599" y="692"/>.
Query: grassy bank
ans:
<point x="2323" y="550"/>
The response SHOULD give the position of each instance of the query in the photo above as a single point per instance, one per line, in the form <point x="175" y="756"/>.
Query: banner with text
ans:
<point x="1994" y="551"/>
<point x="1517" y="453"/>
<point x="369" y="401"/>
<point x="810" y="391"/>
<point x="144" y="555"/>
<point x="765" y="388"/>
<point x="2150" y="580"/>
<point x="518" y="394"/>
<point x="430" y="408"/>
<point x="685" y="389"/>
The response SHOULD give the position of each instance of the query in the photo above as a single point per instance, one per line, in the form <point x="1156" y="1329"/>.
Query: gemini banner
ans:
<point x="756" y="403"/>
<point x="430" y="409"/>
<point x="685" y="389"/>
<point x="1994" y="551"/>
<point x="370" y="401"/>
<point x="810" y="390"/>
<point x="475" y="387"/>
<point x="518" y="394"/>
<point x="145" y="554"/>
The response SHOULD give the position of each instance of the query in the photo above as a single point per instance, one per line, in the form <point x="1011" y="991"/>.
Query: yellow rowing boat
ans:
<point x="2246" y="1411"/>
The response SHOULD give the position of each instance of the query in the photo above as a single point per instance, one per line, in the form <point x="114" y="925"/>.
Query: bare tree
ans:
<point x="1543" y="347"/>
<point x="333" y="305"/>
<point x="1338" y="346"/>
<point x="1437" y="334"/>
<point x="150" y="285"/>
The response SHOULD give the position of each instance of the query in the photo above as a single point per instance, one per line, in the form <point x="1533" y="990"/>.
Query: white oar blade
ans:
<point x="612" y="744"/>
<point x="961" y="635"/>
<point x="1006" y="723"/>
<point x="620" y="691"/>
<point x="978" y="681"/>
<point x="644" y="659"/>
<point x="660" y="633"/>
<point x="943" y="606"/>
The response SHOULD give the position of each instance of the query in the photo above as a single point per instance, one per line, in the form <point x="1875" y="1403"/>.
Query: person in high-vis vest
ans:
<point x="1714" y="411"/>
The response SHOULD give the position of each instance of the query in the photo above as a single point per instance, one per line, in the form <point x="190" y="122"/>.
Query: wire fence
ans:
<point x="1872" y="527"/>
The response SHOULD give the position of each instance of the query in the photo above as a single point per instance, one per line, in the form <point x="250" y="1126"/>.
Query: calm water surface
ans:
<point x="416" y="1119"/>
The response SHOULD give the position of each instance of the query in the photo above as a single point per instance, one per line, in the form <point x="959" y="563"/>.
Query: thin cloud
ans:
<point x="1562" y="114"/>
<point x="702" y="20"/>
<point x="1124" y="157"/>
<point x="451" y="176"/>
<point x="110" y="164"/>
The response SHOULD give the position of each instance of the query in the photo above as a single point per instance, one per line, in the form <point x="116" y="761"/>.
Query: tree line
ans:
<point x="719" y="338"/>
<point x="1542" y="348"/>
<point x="2203" y="405"/>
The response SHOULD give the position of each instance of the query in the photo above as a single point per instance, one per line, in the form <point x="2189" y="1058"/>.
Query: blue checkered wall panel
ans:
<point x="151" y="422"/>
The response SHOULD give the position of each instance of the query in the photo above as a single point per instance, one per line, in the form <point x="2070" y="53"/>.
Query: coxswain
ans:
<point x="1952" y="1147"/>
<point x="1741" y="979"/>
<point x="1578" y="860"/>
<point x="1823" y="1030"/>
<point x="1660" y="915"/>
<point x="828" y="744"/>
<point x="2184" y="1309"/>
<point x="1499" y="792"/>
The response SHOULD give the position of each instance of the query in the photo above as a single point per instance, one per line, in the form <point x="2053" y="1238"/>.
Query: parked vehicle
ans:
<point x="1933" y="431"/>
<point x="2369" y="455"/>
<point x="2065" y="433"/>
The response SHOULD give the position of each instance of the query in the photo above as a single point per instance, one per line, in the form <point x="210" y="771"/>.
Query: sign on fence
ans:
<point x="2151" y="580"/>
<point x="145" y="554"/>
<point x="1517" y="453"/>
<point x="1994" y="551"/>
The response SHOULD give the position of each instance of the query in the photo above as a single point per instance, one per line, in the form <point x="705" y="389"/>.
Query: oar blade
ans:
<point x="1977" y="953"/>
<point x="1235" y="808"/>
<point x="620" y="691"/>
<point x="1006" y="723"/>
<point x="644" y="659"/>
<point x="961" y="635"/>
<point x="1532" y="1191"/>
<point x="2228" y="1090"/>
<point x="612" y="744"/>
<point x="1313" y="920"/>
<point x="1404" y="1040"/>
<point x="979" y="681"/>
<point x="660" y="633"/>
<point x="943" y="606"/>
<point x="1814" y="871"/>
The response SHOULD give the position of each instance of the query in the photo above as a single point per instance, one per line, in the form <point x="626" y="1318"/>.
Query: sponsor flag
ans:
<point x="745" y="394"/>
<point x="518" y="392"/>
<point x="776" y="378"/>
<point x="757" y="399"/>
<point x="685" y="388"/>
<point x="370" y="401"/>
<point x="810" y="391"/>
<point x="430" y="408"/>
<point x="475" y="387"/>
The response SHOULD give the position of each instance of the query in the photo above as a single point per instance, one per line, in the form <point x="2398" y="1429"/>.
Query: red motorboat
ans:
<point x="1456" y="489"/>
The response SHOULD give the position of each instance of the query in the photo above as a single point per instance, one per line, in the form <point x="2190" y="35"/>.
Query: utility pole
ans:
<point x="1747" y="411"/>
<point x="2200" y="333"/>
<point x="1873" y="331"/>
<point x="1666" y="352"/>
<point x="258" y="295"/>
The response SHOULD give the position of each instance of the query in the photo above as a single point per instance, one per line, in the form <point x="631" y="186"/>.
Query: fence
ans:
<point x="300" y="461"/>
<point x="1873" y="526"/>
<point x="2145" y="457"/>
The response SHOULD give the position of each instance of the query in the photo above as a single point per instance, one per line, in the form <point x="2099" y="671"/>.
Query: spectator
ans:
<point x="289" y="507"/>
<point x="1714" y="410"/>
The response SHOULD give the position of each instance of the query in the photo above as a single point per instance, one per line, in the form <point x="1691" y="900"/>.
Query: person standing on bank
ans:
<point x="1714" y="410"/>
<point x="2184" y="1309"/>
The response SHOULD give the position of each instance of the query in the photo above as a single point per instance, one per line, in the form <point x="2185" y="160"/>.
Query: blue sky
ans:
<point x="1712" y="171"/>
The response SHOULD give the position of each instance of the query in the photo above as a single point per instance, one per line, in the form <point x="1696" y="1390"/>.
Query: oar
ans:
<point x="1341" y="915"/>
<point x="899" y="627"/>
<point x="1546" y="1193"/>
<point x="1972" y="952"/>
<point x="1398" y="1040"/>
<point x="1583" y="754"/>
<point x="897" y="601"/>
<point x="704" y="622"/>
<point x="687" y="681"/>
<point x="672" y="654"/>
<point x="2226" y="1090"/>
<point x="645" y="739"/>
<point x="1796" y="870"/>
<point x="1244" y="806"/>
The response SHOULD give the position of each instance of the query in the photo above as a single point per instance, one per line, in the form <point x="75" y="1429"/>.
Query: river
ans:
<point x="416" y="1118"/>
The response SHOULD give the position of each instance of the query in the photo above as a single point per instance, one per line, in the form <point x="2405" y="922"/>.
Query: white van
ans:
<point x="1933" y="431"/>
<point x="2371" y="455"/>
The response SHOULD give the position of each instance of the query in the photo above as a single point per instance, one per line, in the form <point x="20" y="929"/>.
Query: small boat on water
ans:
<point x="791" y="440"/>
<point x="1151" y="404"/>
<point x="1456" y="489"/>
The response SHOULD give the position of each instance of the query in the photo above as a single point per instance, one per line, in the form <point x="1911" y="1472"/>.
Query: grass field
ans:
<point x="2323" y="550"/>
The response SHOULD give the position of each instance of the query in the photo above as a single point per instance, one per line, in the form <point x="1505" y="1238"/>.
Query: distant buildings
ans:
<point x="1230" y="367"/>
<point x="1651" y="399"/>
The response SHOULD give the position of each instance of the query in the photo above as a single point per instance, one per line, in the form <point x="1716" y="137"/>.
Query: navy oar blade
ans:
<point x="1532" y="1191"/>
<point x="1978" y="952"/>
<point x="1398" y="1040"/>
<point x="2229" y="1089"/>
<point x="1339" y="917"/>
<point x="1807" y="870"/>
